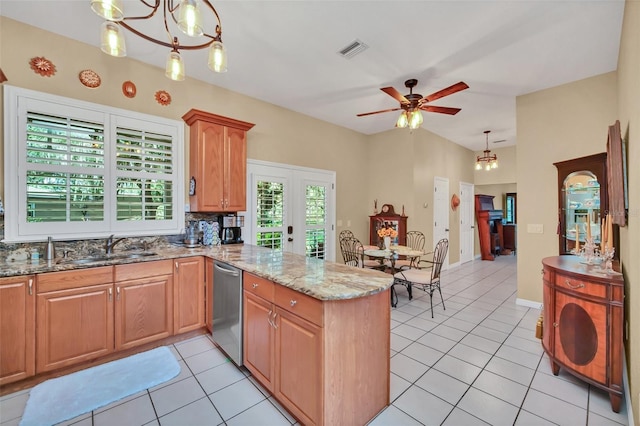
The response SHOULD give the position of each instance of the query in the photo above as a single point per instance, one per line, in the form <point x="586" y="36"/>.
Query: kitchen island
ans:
<point x="326" y="324"/>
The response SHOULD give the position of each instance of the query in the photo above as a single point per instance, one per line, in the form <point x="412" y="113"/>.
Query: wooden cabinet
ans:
<point x="17" y="328"/>
<point x="144" y="303"/>
<point x="489" y="222"/>
<point x="583" y="199"/>
<point x="74" y="317"/>
<point x="208" y="294"/>
<point x="388" y="217"/>
<point x="583" y="323"/>
<point x="217" y="162"/>
<point x="303" y="350"/>
<point x="188" y="294"/>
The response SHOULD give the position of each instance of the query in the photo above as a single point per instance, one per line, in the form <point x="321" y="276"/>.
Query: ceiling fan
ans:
<point x="413" y="103"/>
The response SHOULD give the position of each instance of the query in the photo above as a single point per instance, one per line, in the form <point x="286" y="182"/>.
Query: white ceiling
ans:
<point x="285" y="53"/>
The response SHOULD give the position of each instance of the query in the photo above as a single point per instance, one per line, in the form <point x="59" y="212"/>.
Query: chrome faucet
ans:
<point x="108" y="246"/>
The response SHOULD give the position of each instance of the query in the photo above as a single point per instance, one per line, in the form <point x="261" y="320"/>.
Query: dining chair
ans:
<point x="415" y="241"/>
<point x="345" y="234"/>
<point x="425" y="276"/>
<point x="353" y="254"/>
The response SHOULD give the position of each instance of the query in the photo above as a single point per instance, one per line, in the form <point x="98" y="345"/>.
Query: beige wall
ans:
<point x="556" y="124"/>
<point x="629" y="115"/>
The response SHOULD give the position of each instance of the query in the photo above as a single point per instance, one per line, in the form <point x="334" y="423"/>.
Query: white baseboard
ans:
<point x="528" y="303"/>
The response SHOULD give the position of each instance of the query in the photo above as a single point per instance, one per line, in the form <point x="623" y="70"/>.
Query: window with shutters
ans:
<point x="82" y="170"/>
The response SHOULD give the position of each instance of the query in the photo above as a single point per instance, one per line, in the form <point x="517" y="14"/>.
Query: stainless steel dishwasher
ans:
<point x="227" y="310"/>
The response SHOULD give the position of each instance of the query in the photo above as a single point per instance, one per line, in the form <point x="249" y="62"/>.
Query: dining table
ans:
<point x="392" y="254"/>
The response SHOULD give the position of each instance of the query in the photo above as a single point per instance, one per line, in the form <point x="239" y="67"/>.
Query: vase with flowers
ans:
<point x="386" y="233"/>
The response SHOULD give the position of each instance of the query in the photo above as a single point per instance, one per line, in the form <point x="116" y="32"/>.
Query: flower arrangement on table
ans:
<point x="386" y="234"/>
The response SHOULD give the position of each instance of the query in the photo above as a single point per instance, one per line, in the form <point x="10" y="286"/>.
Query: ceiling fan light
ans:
<point x="415" y="119"/>
<point x="190" y="18"/>
<point x="403" y="121"/>
<point x="218" y="57"/>
<point x="112" y="39"/>
<point x="111" y="10"/>
<point x="175" y="66"/>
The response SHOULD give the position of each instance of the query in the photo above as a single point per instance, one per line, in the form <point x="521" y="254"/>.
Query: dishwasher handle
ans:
<point x="227" y="271"/>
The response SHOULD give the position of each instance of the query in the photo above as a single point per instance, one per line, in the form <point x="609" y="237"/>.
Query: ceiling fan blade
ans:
<point x="441" y="110"/>
<point x="378" y="112"/>
<point x="447" y="91"/>
<point x="395" y="94"/>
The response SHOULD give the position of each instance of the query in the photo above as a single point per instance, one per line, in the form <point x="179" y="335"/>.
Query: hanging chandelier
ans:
<point x="186" y="16"/>
<point x="491" y="161"/>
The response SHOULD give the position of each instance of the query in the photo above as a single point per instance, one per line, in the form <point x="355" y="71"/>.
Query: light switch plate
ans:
<point x="535" y="228"/>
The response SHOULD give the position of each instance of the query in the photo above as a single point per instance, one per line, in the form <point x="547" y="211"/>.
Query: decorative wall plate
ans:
<point x="89" y="78"/>
<point x="43" y="66"/>
<point x="129" y="89"/>
<point x="163" y="97"/>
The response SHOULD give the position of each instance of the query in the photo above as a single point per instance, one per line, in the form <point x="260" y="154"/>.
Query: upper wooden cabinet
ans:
<point x="217" y="162"/>
<point x="583" y="199"/>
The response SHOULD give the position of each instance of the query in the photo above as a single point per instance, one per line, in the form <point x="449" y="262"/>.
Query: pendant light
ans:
<point x="112" y="40"/>
<point x="490" y="161"/>
<point x="175" y="66"/>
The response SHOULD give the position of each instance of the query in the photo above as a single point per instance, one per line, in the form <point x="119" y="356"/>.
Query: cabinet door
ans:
<point x="299" y="354"/>
<point x="143" y="310"/>
<point x="208" y="295"/>
<point x="17" y="328"/>
<point x="259" y="339"/>
<point x="188" y="294"/>
<point x="581" y="335"/>
<point x="207" y="165"/>
<point x="235" y="179"/>
<point x="73" y="325"/>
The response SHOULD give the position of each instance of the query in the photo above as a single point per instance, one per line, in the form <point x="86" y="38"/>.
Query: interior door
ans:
<point x="291" y="209"/>
<point x="441" y="213"/>
<point x="466" y="222"/>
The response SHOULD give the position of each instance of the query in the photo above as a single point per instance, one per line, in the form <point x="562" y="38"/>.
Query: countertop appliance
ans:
<point x="227" y="310"/>
<point x="231" y="229"/>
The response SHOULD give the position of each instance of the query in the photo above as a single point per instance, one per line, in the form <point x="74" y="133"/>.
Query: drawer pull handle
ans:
<point x="255" y="285"/>
<point x="110" y="293"/>
<point x="293" y="303"/>
<point x="568" y="284"/>
<point x="30" y="286"/>
<point x="275" y="314"/>
<point x="269" y="318"/>
<point x="555" y="324"/>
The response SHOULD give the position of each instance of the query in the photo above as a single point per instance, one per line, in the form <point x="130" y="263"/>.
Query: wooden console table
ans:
<point x="583" y="322"/>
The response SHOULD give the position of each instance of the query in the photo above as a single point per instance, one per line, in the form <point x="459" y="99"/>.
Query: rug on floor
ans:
<point x="66" y="397"/>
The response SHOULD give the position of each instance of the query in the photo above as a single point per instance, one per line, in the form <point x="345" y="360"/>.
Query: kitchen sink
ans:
<point x="105" y="258"/>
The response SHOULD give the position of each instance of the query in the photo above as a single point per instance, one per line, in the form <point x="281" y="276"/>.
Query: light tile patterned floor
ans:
<point x="475" y="363"/>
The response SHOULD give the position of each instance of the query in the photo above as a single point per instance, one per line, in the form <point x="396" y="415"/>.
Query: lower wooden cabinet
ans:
<point x="316" y="357"/>
<point x="74" y="317"/>
<point x="17" y="328"/>
<point x="582" y="323"/>
<point x="188" y="294"/>
<point x="143" y="303"/>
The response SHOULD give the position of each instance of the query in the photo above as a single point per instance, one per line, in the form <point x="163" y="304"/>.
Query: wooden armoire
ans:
<point x="489" y="227"/>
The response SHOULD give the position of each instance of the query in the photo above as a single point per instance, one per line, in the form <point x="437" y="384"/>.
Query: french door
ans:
<point x="290" y="209"/>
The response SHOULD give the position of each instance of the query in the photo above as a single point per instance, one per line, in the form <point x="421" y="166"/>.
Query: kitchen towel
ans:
<point x="69" y="396"/>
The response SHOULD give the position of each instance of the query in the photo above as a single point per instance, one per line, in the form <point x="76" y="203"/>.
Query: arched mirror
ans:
<point x="582" y="200"/>
<point x="582" y="210"/>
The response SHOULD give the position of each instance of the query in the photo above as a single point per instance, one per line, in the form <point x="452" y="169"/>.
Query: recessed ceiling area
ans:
<point x="287" y="53"/>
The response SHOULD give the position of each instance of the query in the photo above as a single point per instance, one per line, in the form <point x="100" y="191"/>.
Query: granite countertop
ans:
<point x="320" y="279"/>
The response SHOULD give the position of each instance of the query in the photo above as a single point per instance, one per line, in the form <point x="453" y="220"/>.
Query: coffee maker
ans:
<point x="231" y="229"/>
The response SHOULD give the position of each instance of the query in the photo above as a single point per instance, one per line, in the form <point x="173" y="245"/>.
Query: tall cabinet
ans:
<point x="217" y="162"/>
<point x="583" y="199"/>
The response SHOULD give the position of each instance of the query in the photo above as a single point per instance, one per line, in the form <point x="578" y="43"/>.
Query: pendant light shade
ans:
<point x="190" y="18"/>
<point x="487" y="161"/>
<point x="403" y="120"/>
<point x="112" y="39"/>
<point x="415" y="119"/>
<point x="218" y="57"/>
<point x="175" y="66"/>
<point x="110" y="10"/>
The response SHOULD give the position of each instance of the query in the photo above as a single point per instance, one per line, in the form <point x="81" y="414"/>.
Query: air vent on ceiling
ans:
<point x="353" y="49"/>
<point x="499" y="141"/>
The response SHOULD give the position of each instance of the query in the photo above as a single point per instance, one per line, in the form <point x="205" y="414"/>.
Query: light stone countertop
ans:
<point x="320" y="279"/>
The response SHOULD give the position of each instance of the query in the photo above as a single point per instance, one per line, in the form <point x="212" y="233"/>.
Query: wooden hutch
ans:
<point x="489" y="227"/>
<point x="389" y="217"/>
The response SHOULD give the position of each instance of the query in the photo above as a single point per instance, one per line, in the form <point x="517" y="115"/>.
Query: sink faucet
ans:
<point x="108" y="246"/>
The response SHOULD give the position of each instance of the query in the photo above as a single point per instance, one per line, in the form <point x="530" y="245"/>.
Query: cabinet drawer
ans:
<point x="134" y="271"/>
<point x="52" y="281"/>
<point x="579" y="286"/>
<point x="256" y="285"/>
<point x="300" y="304"/>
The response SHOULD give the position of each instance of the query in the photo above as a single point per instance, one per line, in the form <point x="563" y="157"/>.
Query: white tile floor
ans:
<point x="475" y="363"/>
